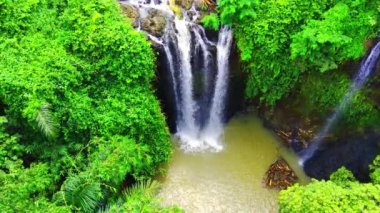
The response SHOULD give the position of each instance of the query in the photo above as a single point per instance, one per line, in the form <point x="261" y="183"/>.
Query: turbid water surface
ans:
<point x="230" y="180"/>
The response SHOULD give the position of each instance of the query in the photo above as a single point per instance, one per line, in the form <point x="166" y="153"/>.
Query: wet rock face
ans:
<point x="294" y="130"/>
<point x="235" y="101"/>
<point x="132" y="13"/>
<point x="280" y="175"/>
<point x="154" y="23"/>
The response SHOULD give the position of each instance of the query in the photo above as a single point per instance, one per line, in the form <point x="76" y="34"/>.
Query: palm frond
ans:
<point x="149" y="188"/>
<point x="80" y="193"/>
<point x="113" y="207"/>
<point x="46" y="121"/>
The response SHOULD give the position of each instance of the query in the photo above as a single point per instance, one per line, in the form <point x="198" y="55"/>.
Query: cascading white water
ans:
<point x="187" y="129"/>
<point x="214" y="128"/>
<point x="366" y="69"/>
<point x="199" y="77"/>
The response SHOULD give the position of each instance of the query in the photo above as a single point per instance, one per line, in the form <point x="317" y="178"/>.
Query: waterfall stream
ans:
<point x="214" y="127"/>
<point x="361" y="78"/>
<point x="198" y="70"/>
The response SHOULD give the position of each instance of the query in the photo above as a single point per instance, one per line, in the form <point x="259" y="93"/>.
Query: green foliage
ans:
<point x="375" y="170"/>
<point x="281" y="40"/>
<point x="10" y="149"/>
<point x="114" y="158"/>
<point x="141" y="198"/>
<point x="321" y="94"/>
<point x="341" y="194"/>
<point x="46" y="122"/>
<point x="326" y="196"/>
<point x="15" y="16"/>
<point x="342" y="176"/>
<point x="264" y="43"/>
<point x="110" y="161"/>
<point x="21" y="190"/>
<point x="88" y="78"/>
<point x="80" y="192"/>
<point x="76" y="87"/>
<point x="339" y="36"/>
<point x="236" y="11"/>
<point x="211" y="21"/>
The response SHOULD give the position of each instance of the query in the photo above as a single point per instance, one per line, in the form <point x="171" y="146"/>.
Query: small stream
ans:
<point x="230" y="180"/>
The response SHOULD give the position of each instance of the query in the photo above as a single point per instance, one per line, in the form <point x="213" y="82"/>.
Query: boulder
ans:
<point x="186" y="4"/>
<point x="280" y="175"/>
<point x="132" y="13"/>
<point x="154" y="23"/>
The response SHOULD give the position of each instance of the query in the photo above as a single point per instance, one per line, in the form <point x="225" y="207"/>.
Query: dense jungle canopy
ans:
<point x="81" y="126"/>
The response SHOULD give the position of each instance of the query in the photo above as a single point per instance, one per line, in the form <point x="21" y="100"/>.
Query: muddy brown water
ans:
<point x="230" y="180"/>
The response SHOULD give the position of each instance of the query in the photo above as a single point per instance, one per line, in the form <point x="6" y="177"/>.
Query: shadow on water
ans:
<point x="354" y="153"/>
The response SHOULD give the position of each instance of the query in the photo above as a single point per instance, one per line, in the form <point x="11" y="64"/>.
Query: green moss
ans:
<point x="320" y="94"/>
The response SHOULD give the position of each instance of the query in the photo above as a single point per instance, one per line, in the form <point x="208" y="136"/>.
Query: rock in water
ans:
<point x="280" y="175"/>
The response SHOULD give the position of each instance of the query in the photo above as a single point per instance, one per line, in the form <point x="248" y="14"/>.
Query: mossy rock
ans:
<point x="186" y="4"/>
<point x="154" y="23"/>
<point x="132" y="13"/>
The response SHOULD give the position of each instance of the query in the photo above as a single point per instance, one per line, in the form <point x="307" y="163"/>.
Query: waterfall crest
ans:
<point x="198" y="70"/>
<point x="361" y="78"/>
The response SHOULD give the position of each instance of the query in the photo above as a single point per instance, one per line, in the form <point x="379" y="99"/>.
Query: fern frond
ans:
<point x="46" y="121"/>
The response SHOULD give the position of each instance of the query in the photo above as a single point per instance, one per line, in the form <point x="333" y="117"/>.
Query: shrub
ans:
<point x="341" y="194"/>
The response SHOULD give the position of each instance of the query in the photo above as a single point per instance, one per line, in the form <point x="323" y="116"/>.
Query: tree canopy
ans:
<point x="78" y="112"/>
<point x="279" y="41"/>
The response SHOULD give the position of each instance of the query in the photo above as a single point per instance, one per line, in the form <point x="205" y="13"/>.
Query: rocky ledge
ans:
<point x="153" y="21"/>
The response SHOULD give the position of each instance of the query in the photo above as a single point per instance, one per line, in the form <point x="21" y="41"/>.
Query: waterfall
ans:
<point x="187" y="129"/>
<point x="198" y="69"/>
<point x="214" y="127"/>
<point x="361" y="78"/>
